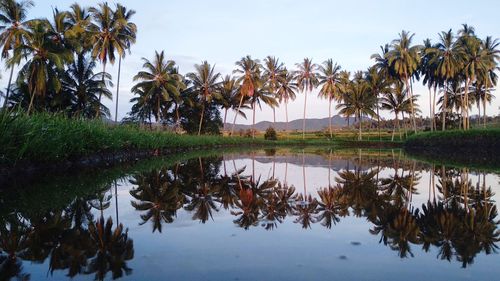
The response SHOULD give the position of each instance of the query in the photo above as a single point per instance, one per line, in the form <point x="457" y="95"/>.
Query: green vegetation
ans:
<point x="476" y="139"/>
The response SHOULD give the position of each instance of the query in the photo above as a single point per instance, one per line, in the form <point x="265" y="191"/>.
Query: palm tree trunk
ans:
<point x="286" y="116"/>
<point x="411" y="105"/>
<point x="378" y="122"/>
<point x="359" y="136"/>
<point x="31" y="102"/>
<point x="484" y="112"/>
<point x="8" y="87"/>
<point x="201" y="117"/>
<point x="404" y="124"/>
<point x="430" y="110"/>
<point x="98" y="110"/>
<point x="253" y="120"/>
<point x="236" y="115"/>
<point x="445" y="105"/>
<point x="434" y="110"/>
<point x="224" y="125"/>
<point x="118" y="88"/>
<point x="274" y="117"/>
<point x="394" y="127"/>
<point x="465" y="105"/>
<point x="304" y="120"/>
<point x="330" y="117"/>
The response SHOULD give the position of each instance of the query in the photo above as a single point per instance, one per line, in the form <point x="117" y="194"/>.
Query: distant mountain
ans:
<point x="312" y="124"/>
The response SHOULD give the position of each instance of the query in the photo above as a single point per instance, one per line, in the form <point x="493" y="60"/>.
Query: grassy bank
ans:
<point x="46" y="138"/>
<point x="474" y="148"/>
<point x="475" y="139"/>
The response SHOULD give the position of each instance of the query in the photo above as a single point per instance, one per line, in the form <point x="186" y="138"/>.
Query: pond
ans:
<point x="286" y="214"/>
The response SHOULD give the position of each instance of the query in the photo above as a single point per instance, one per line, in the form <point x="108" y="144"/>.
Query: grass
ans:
<point x="48" y="138"/>
<point x="477" y="139"/>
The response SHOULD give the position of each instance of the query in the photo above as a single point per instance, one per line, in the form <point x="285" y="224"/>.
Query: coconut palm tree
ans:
<point x="248" y="71"/>
<point x="306" y="79"/>
<point x="445" y="58"/>
<point x="490" y="46"/>
<point x="13" y="16"/>
<point x="286" y="91"/>
<point x="229" y="97"/>
<point x="205" y="83"/>
<point x="396" y="101"/>
<point x="261" y="95"/>
<point x="105" y="35"/>
<point x="473" y="61"/>
<point x="428" y="71"/>
<point x="272" y="73"/>
<point x="45" y="57"/>
<point x="83" y="86"/>
<point x="404" y="60"/>
<point x="377" y="86"/>
<point x="329" y="80"/>
<point x="127" y="34"/>
<point x="159" y="81"/>
<point x="358" y="101"/>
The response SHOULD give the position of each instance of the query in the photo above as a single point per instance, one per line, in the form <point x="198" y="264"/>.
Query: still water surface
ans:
<point x="261" y="215"/>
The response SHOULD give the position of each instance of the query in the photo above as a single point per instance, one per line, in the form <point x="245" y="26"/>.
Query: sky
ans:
<point x="223" y="31"/>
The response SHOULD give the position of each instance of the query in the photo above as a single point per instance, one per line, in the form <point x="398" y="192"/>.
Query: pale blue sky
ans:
<point x="222" y="31"/>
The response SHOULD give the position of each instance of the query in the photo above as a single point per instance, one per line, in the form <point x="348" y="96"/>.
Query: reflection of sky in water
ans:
<point x="219" y="250"/>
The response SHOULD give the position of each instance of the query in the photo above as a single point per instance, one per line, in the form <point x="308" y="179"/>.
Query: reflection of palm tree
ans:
<point x="158" y="196"/>
<point x="114" y="249"/>
<point x="305" y="210"/>
<point x="330" y="206"/>
<point x="359" y="189"/>
<point x="14" y="243"/>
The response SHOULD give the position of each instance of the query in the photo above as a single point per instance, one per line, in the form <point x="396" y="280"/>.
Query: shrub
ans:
<point x="270" y="134"/>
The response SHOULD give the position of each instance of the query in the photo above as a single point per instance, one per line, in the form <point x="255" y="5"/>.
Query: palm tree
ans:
<point x="205" y="84"/>
<point x="396" y="101"/>
<point x="473" y="61"/>
<point x="105" y="35"/>
<point x="248" y="70"/>
<point x="490" y="46"/>
<point x="404" y="60"/>
<point x="306" y="78"/>
<point x="229" y="97"/>
<point x="286" y="91"/>
<point x="45" y="57"/>
<point x="261" y="94"/>
<point x="428" y="71"/>
<point x="445" y="59"/>
<point x="127" y="34"/>
<point x="84" y="87"/>
<point x="272" y="73"/>
<point x="329" y="79"/>
<point x="358" y="101"/>
<point x="377" y="85"/>
<point x="13" y="16"/>
<point x="159" y="82"/>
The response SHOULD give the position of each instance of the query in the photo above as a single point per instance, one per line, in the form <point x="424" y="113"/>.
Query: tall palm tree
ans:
<point x="490" y="46"/>
<point x="286" y="91"/>
<point x="473" y="61"/>
<point x="445" y="58"/>
<point x="261" y="95"/>
<point x="105" y="35"/>
<point x="377" y="85"/>
<point x="272" y="73"/>
<point x="248" y="71"/>
<point x="45" y="57"/>
<point x="306" y="79"/>
<point x="329" y="80"/>
<point x="13" y="16"/>
<point x="358" y="101"/>
<point x="205" y="83"/>
<point x="404" y="60"/>
<point x="127" y="34"/>
<point x="396" y="101"/>
<point x="229" y="97"/>
<point x="160" y="82"/>
<point x="84" y="86"/>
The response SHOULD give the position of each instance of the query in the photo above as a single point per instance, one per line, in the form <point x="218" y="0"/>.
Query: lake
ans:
<point x="285" y="214"/>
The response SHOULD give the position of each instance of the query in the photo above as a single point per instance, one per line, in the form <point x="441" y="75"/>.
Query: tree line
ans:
<point x="59" y="57"/>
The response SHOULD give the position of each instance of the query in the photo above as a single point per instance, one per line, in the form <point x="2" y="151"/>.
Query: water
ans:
<point x="261" y="215"/>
